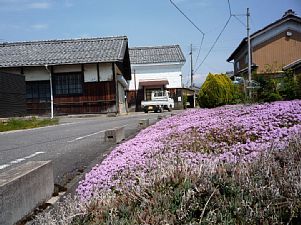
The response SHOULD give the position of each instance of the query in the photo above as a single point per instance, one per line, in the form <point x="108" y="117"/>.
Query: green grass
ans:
<point x="20" y="124"/>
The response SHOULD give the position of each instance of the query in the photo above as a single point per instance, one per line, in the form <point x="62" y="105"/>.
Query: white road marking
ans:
<point x="82" y="137"/>
<point x="16" y="161"/>
<point x="33" y="155"/>
<point x="3" y="166"/>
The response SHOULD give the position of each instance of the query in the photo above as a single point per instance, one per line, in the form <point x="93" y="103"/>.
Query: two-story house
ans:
<point x="273" y="48"/>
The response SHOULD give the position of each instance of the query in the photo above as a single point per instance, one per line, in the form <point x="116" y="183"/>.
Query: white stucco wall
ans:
<point x="90" y="72"/>
<point x="67" y="68"/>
<point x="36" y="74"/>
<point x="171" y="72"/>
<point x="105" y="71"/>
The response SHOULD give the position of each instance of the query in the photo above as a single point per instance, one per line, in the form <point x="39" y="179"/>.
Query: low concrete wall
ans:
<point x="115" y="135"/>
<point x="23" y="188"/>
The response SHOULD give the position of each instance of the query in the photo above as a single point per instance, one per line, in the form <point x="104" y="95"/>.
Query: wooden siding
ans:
<point x="277" y="52"/>
<point x="12" y="95"/>
<point x="97" y="97"/>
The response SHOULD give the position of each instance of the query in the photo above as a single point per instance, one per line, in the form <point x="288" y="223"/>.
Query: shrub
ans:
<point x="217" y="90"/>
<point x="272" y="97"/>
<point x="285" y="88"/>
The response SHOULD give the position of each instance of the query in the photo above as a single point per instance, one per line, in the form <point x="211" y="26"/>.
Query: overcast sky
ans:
<point x="145" y="22"/>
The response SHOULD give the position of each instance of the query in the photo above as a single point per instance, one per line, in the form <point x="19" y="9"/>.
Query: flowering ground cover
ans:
<point x="232" y="134"/>
<point x="228" y="165"/>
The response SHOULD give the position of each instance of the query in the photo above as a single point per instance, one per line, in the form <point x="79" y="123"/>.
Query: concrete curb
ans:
<point x="23" y="188"/>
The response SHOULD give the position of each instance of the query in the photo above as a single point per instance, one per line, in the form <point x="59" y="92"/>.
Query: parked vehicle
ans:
<point x="159" y="102"/>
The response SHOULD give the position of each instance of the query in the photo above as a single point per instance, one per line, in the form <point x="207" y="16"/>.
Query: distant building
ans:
<point x="273" y="48"/>
<point x="88" y="75"/>
<point x="155" y="68"/>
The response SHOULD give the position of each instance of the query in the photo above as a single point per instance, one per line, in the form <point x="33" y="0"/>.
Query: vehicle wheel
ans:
<point x="145" y="110"/>
<point x="169" y="109"/>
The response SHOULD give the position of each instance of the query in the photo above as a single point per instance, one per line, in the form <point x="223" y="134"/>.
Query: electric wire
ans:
<point x="229" y="6"/>
<point x="199" y="52"/>
<point x="214" y="43"/>
<point x="187" y="17"/>
<point x="239" y="20"/>
<point x="203" y="34"/>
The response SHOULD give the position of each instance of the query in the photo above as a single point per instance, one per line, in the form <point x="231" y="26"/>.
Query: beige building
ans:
<point x="273" y="48"/>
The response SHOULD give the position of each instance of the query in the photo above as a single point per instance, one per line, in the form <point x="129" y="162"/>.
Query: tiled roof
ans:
<point x="56" y="52"/>
<point x="157" y="54"/>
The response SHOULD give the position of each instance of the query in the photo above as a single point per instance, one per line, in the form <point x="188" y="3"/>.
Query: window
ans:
<point x="68" y="83"/>
<point x="38" y="90"/>
<point x="237" y="65"/>
<point x="148" y="93"/>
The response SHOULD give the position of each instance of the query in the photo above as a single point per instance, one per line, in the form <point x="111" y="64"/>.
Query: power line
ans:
<point x="187" y="18"/>
<point x="239" y="20"/>
<point x="223" y="29"/>
<point x="199" y="52"/>
<point x="230" y="11"/>
<point x="203" y="34"/>
<point x="214" y="43"/>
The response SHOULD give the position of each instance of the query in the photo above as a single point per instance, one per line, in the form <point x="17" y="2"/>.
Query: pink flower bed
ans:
<point x="229" y="133"/>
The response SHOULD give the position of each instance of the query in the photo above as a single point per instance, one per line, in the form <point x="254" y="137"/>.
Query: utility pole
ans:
<point x="191" y="67"/>
<point x="249" y="55"/>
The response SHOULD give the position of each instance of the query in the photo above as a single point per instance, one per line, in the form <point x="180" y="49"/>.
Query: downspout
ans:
<point x="136" y="102"/>
<point x="116" y="89"/>
<point x="51" y="92"/>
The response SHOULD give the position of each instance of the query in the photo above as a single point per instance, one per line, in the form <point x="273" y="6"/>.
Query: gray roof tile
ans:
<point x="56" y="52"/>
<point x="157" y="54"/>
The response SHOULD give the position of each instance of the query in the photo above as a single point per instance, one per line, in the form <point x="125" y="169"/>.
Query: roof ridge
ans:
<point x="61" y="40"/>
<point x="154" y="47"/>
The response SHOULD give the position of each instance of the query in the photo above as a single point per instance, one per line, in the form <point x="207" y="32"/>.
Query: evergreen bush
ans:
<point x="217" y="90"/>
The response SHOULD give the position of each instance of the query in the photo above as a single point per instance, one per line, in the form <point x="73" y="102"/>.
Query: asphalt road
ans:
<point x="72" y="146"/>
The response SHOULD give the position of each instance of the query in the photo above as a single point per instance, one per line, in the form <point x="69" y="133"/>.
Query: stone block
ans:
<point x="115" y="135"/>
<point x="143" y="123"/>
